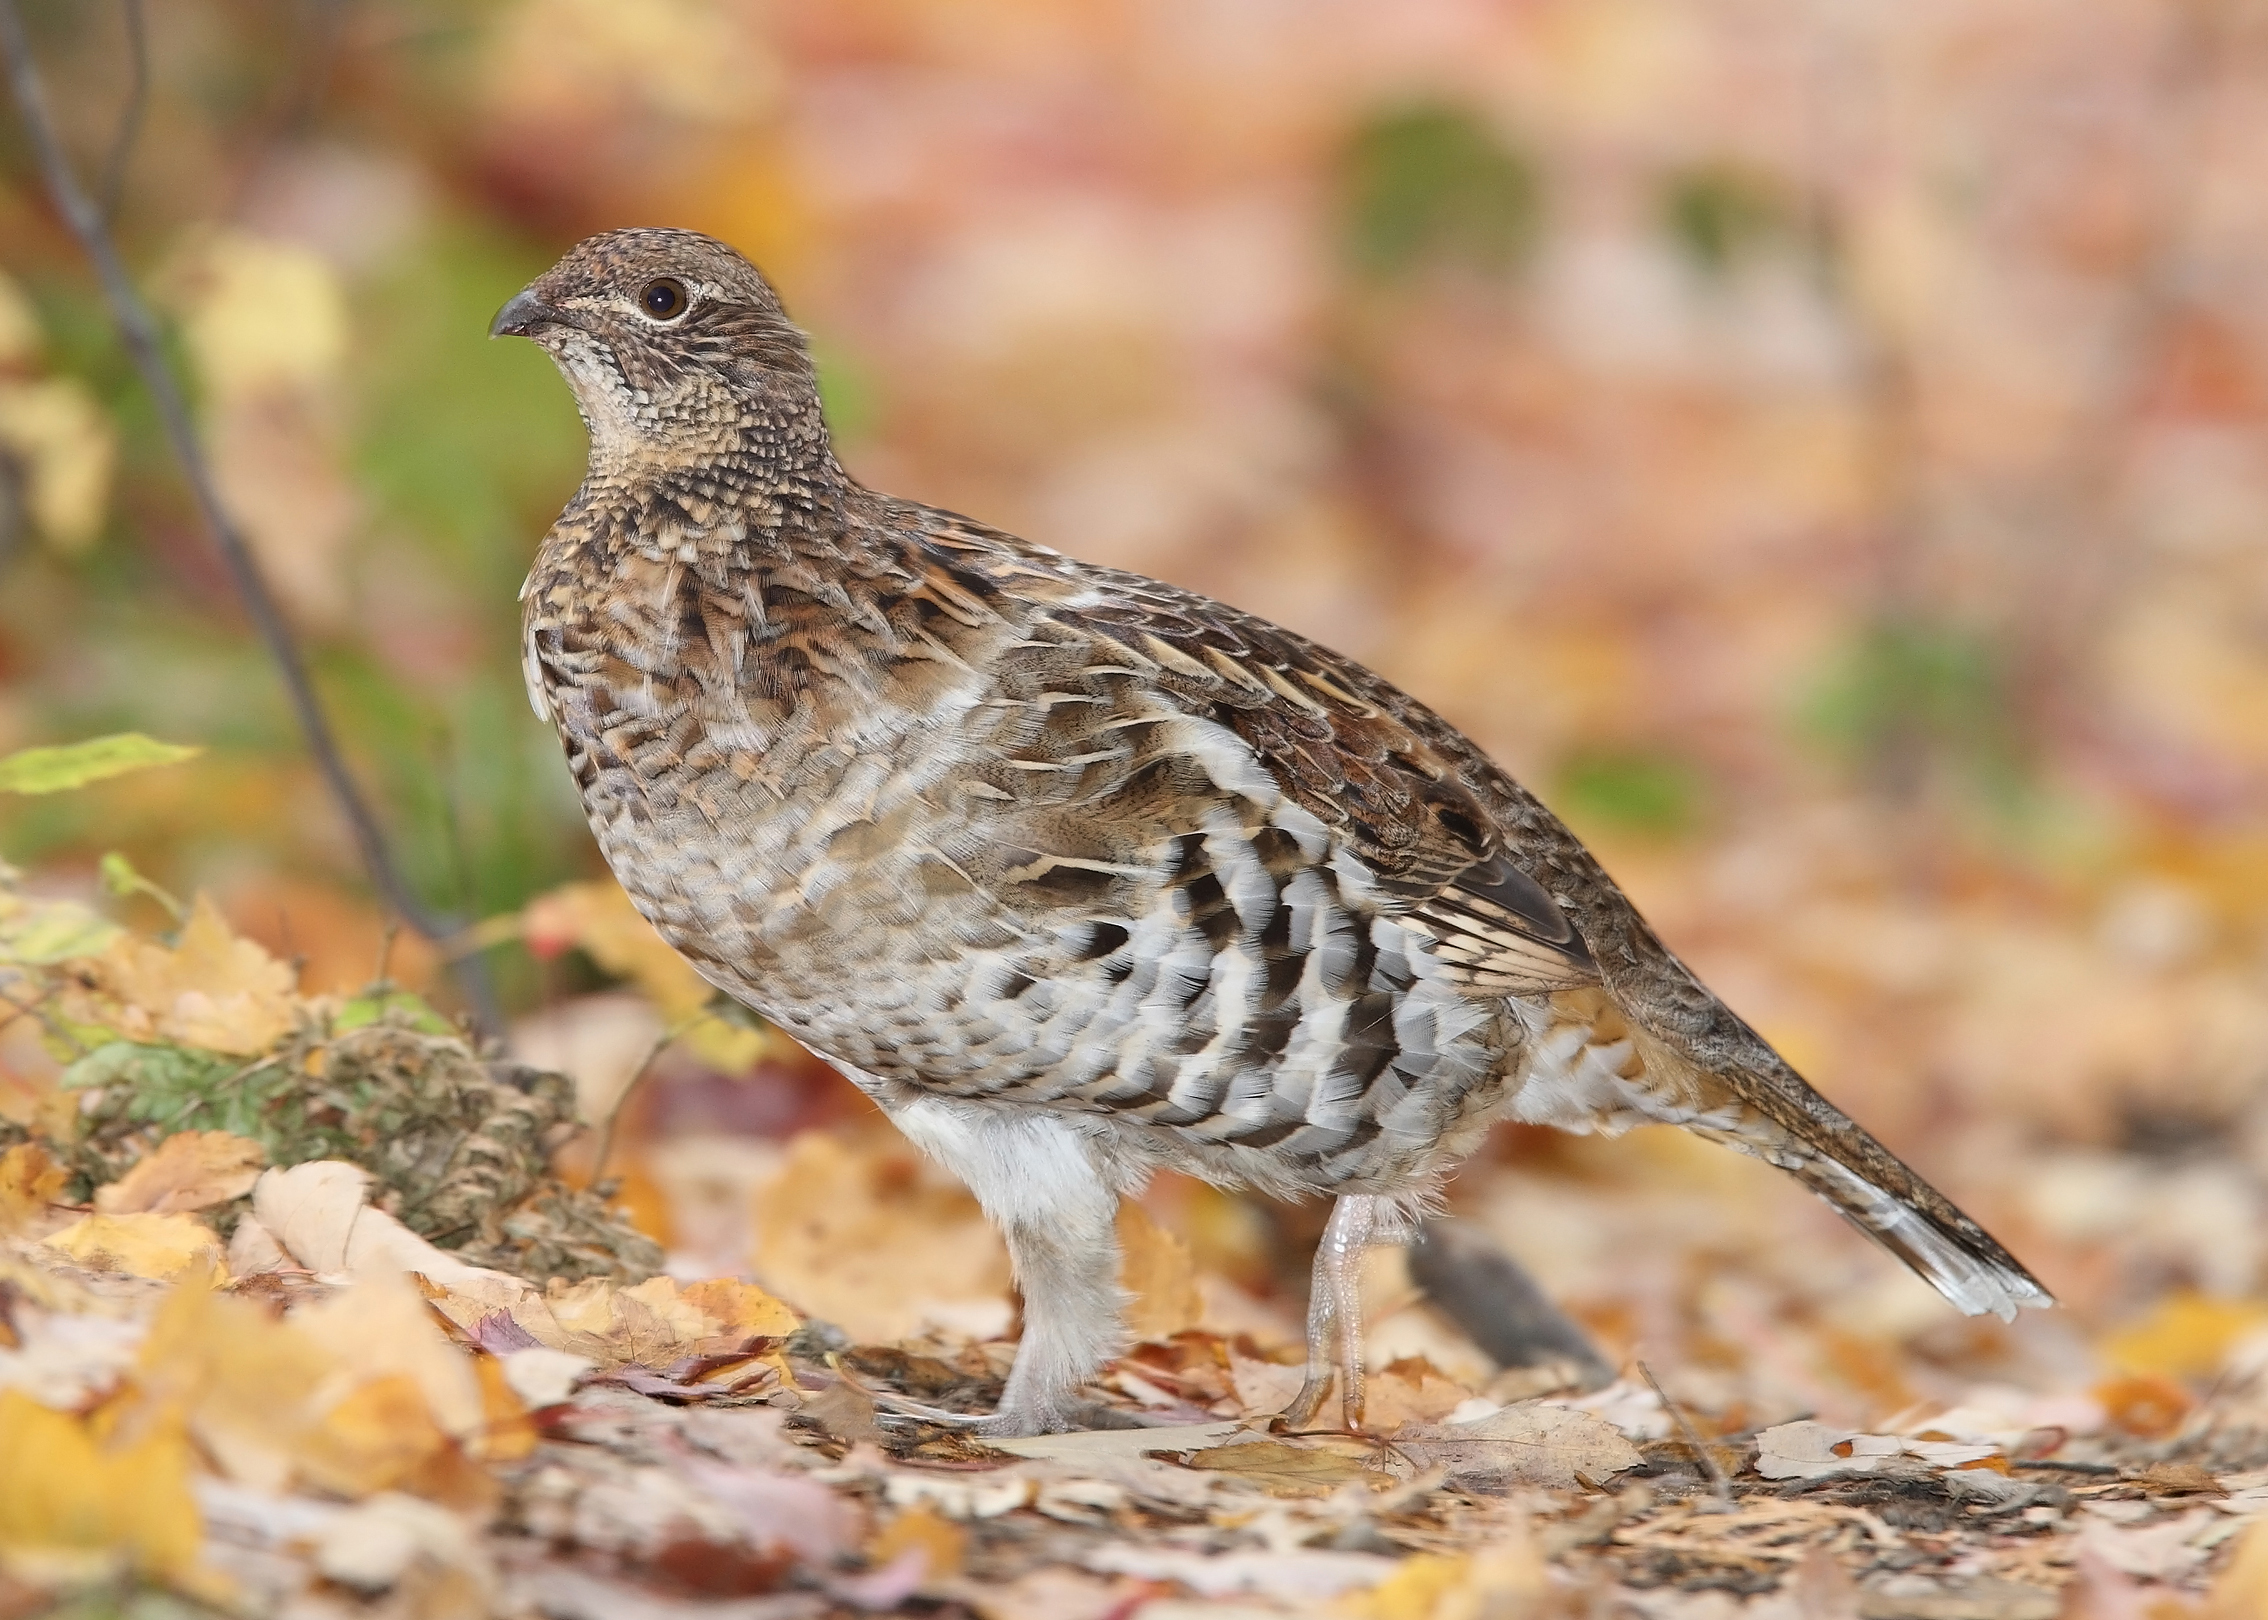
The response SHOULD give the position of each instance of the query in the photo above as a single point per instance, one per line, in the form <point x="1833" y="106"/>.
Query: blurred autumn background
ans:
<point x="1823" y="449"/>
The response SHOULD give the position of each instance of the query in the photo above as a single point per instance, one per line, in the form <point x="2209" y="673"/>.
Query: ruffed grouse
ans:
<point x="1079" y="875"/>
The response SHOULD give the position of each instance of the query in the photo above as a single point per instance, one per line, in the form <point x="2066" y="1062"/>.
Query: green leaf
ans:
<point x="120" y="878"/>
<point x="1719" y="214"/>
<point x="52" y="770"/>
<point x="184" y="1088"/>
<point x="34" y="933"/>
<point x="1435" y="181"/>
<point x="402" y="1006"/>
<point x="1631" y="792"/>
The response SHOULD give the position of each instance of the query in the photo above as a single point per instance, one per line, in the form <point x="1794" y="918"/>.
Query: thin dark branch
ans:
<point x="136" y="109"/>
<point x="138" y="330"/>
<point x="1707" y="1458"/>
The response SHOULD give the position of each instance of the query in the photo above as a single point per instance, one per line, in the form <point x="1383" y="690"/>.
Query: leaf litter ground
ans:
<point x="298" y="1318"/>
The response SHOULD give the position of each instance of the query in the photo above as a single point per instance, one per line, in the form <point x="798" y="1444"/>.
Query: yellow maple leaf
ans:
<point x="31" y="1184"/>
<point x="140" y="1245"/>
<point x="65" y="1497"/>
<point x="190" y="1170"/>
<point x="380" y="1328"/>
<point x="245" y="1381"/>
<point x="2188" y="1335"/>
<point x="212" y="989"/>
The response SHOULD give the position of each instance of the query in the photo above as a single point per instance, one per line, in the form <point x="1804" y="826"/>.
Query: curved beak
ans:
<point x="522" y="315"/>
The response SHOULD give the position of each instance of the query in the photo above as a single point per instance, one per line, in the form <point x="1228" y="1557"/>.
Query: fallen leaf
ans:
<point x="1282" y="1469"/>
<point x="1158" y="1271"/>
<point x="1308" y="1575"/>
<point x="508" y="1430"/>
<point x="245" y="1380"/>
<point x="378" y="1436"/>
<point x="370" y="1547"/>
<point x="2188" y="1335"/>
<point x="190" y="1170"/>
<point x="2179" y="1479"/>
<point x="2159" y="1550"/>
<point x="2147" y="1406"/>
<point x="211" y="990"/>
<point x="1809" y="1450"/>
<point x="867" y="1235"/>
<point x="1410" y="1390"/>
<point x="319" y="1214"/>
<point x="543" y="1377"/>
<point x="31" y="1184"/>
<point x="1098" y="1445"/>
<point x="843" y="1412"/>
<point x="2242" y="1591"/>
<point x="940" y="1542"/>
<point x="65" y="1492"/>
<point x="734" y="1310"/>
<point x="1507" y="1578"/>
<point x="599" y="919"/>
<point x="157" y="1246"/>
<point x="778" y="1511"/>
<point x="379" y="1328"/>
<point x="1525" y="1445"/>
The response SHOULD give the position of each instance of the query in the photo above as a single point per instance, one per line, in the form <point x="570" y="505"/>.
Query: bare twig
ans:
<point x="1692" y="1439"/>
<point x="138" y="330"/>
<point x="136" y="109"/>
<point x="622" y="1097"/>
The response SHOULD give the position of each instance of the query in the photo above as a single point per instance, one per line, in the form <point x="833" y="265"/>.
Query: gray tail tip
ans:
<point x="1948" y="1251"/>
<point x="2001" y="1294"/>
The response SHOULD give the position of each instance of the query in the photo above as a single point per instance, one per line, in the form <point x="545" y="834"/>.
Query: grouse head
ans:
<point x="677" y="350"/>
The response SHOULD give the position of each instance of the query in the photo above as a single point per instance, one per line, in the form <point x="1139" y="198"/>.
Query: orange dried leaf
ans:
<point x="1411" y="1390"/>
<point x="190" y="1170"/>
<point x="1157" y="1269"/>
<point x="31" y="1184"/>
<point x="941" y="1542"/>
<point x="509" y="1433"/>
<point x="376" y="1437"/>
<point x="2147" y="1407"/>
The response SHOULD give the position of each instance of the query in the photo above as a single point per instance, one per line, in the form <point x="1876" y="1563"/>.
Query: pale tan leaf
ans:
<point x="1521" y="1445"/>
<point x="190" y="1170"/>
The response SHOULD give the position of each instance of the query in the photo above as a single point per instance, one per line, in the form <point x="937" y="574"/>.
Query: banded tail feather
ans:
<point x="1873" y="1189"/>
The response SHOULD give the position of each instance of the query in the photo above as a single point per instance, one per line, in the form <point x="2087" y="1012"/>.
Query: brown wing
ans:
<point x="1387" y="775"/>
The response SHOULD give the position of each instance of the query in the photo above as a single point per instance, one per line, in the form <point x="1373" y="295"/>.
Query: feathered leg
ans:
<point x="1057" y="1210"/>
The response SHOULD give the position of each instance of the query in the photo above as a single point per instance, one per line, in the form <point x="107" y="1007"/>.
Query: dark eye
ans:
<point x="664" y="300"/>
